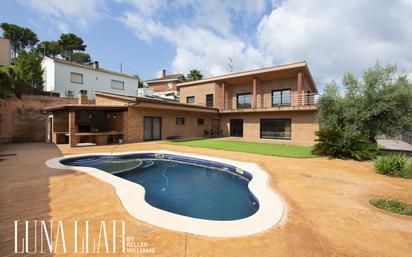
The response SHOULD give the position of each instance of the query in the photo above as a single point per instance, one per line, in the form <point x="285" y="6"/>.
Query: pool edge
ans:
<point x="270" y="212"/>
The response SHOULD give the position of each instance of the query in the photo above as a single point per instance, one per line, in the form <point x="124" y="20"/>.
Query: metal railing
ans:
<point x="266" y="102"/>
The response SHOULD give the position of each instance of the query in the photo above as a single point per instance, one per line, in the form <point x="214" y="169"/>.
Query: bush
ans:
<point x="392" y="205"/>
<point x="396" y="165"/>
<point x="337" y="144"/>
<point x="6" y="80"/>
<point x="408" y="171"/>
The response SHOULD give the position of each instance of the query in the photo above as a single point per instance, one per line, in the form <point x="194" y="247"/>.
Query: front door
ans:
<point x="236" y="128"/>
<point x="152" y="128"/>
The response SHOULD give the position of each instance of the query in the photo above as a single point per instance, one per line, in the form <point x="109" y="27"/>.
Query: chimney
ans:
<point x="96" y="65"/>
<point x="163" y="73"/>
<point x="83" y="97"/>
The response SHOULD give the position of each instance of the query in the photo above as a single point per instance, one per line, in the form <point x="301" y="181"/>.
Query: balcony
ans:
<point x="267" y="103"/>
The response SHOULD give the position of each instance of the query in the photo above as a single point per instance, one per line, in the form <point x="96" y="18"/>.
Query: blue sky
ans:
<point x="148" y="36"/>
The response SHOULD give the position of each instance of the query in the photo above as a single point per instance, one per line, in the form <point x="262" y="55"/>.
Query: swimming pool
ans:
<point x="204" y="190"/>
<point x="190" y="193"/>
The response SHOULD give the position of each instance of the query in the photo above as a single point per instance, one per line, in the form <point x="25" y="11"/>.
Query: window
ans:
<point x="180" y="121"/>
<point x="244" y="100"/>
<point x="69" y="94"/>
<point x="76" y="78"/>
<point x="281" y="97"/>
<point x="116" y="84"/>
<point x="169" y="85"/>
<point x="209" y="100"/>
<point x="275" y="128"/>
<point x="200" y="121"/>
<point x="190" y="99"/>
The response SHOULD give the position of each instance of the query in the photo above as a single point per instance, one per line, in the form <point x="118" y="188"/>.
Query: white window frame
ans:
<point x="75" y="73"/>
<point x="115" y="87"/>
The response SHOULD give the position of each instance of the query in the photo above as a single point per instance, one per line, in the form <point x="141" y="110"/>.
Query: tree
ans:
<point x="379" y="103"/>
<point x="70" y="42"/>
<point x="49" y="48"/>
<point x="81" y="57"/>
<point x="27" y="68"/>
<point x="20" y="38"/>
<point x="194" y="75"/>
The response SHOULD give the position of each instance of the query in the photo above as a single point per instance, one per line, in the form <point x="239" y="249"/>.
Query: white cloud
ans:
<point x="335" y="37"/>
<point x="204" y="42"/>
<point x="198" y="47"/>
<point x="64" y="13"/>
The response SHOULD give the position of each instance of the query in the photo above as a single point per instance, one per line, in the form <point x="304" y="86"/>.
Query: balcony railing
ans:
<point x="264" y="102"/>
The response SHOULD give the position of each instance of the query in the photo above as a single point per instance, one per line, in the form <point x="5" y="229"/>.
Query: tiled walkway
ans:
<point x="328" y="213"/>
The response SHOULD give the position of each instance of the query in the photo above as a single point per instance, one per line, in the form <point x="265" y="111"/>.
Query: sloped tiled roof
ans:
<point x="90" y="67"/>
<point x="178" y="77"/>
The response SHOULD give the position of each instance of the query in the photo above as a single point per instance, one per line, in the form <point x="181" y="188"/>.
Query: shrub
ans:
<point x="396" y="165"/>
<point x="407" y="173"/>
<point x="337" y="144"/>
<point x="392" y="205"/>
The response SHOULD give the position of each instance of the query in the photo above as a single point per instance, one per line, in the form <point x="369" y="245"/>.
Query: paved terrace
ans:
<point x="328" y="213"/>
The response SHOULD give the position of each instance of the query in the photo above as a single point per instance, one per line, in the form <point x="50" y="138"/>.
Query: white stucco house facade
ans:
<point x="68" y="78"/>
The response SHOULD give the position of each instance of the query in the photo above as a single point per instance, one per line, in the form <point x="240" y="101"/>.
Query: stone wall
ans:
<point x="21" y="120"/>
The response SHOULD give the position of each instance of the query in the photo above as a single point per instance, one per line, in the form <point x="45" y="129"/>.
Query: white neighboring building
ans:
<point x="68" y="78"/>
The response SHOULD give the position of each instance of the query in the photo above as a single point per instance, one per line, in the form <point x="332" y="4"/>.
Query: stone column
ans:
<point x="126" y="126"/>
<point x="72" y="129"/>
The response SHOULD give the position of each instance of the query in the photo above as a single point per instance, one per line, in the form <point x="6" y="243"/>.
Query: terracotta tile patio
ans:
<point x="328" y="213"/>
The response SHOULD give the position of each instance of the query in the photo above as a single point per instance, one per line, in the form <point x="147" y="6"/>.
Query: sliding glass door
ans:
<point x="152" y="128"/>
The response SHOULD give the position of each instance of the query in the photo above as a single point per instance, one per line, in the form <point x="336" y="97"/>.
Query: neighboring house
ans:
<point x="274" y="104"/>
<point x="165" y="86"/>
<point x="68" y="78"/>
<point x="5" y="52"/>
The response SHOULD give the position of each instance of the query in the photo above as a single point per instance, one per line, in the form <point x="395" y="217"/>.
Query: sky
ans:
<point x="146" y="36"/>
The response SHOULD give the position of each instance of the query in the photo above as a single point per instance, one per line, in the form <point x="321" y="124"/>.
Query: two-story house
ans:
<point x="68" y="78"/>
<point x="274" y="104"/>
<point x="165" y="86"/>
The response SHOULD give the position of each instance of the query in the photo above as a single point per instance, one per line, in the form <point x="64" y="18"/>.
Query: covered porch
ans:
<point x="79" y="125"/>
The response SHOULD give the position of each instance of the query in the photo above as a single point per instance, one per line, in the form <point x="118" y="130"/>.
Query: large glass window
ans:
<point x="275" y="128"/>
<point x="190" y="99"/>
<point x="209" y="100"/>
<point x="244" y="100"/>
<point x="281" y="97"/>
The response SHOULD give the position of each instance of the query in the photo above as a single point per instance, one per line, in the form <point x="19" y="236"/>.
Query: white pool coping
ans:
<point x="132" y="196"/>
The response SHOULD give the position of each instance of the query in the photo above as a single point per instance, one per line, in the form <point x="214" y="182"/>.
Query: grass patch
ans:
<point x="392" y="205"/>
<point x="249" y="147"/>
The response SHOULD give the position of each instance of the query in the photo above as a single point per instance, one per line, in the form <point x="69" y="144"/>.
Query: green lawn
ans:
<point x="248" y="147"/>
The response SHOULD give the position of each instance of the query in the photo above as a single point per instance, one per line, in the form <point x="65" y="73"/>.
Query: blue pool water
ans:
<point x="181" y="185"/>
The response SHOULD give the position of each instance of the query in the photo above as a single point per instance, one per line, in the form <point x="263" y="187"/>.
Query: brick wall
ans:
<point x="21" y="120"/>
<point x="169" y="128"/>
<point x="200" y="92"/>
<point x="163" y="86"/>
<point x="303" y="126"/>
